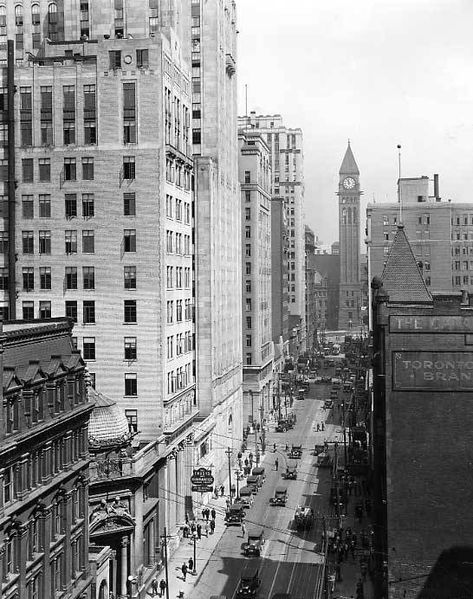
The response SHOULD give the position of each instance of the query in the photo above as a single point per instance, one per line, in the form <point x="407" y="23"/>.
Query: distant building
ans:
<point x="287" y="164"/>
<point x="316" y="293"/>
<point x="349" y="193"/>
<point x="44" y="482"/>
<point x="421" y="423"/>
<point x="440" y="233"/>
<point x="328" y="266"/>
<point x="255" y="183"/>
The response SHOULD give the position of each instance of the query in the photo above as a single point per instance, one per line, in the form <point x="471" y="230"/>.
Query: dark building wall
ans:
<point x="425" y="355"/>
<point x="280" y="299"/>
<point x="329" y="265"/>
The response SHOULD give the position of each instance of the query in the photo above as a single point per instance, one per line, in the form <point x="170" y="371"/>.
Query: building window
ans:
<point x="247" y="213"/>
<point x="129" y="204"/>
<point x="129" y="116"/>
<point x="88" y="205"/>
<point x="248" y="268"/>
<point x="70" y="201"/>
<point x="35" y="14"/>
<point x="142" y="61"/>
<point x="70" y="240"/>
<point x="248" y="322"/>
<point x="88" y="348"/>
<point x="248" y="358"/>
<point x="115" y="59"/>
<point x="45" y="242"/>
<point x="44" y="310"/>
<point x="88" y="312"/>
<point x="71" y="310"/>
<point x="248" y="250"/>
<point x="247" y="177"/>
<point x="44" y="170"/>
<point x="45" y="206"/>
<point x="129" y="240"/>
<point x="88" y="168"/>
<point x="4" y="278"/>
<point x="71" y="277"/>
<point x="28" y="310"/>
<point x="28" y="242"/>
<point x="169" y="311"/>
<point x="69" y="132"/>
<point x="128" y="167"/>
<point x="45" y="277"/>
<point x="129" y="273"/>
<point x="132" y="417"/>
<point x="129" y="311"/>
<point x="248" y="340"/>
<point x="27" y="207"/>
<point x="88" y="242"/>
<point x="69" y="169"/>
<point x="88" y="277"/>
<point x="27" y="170"/>
<point x="28" y="278"/>
<point x="130" y="348"/>
<point x="131" y="385"/>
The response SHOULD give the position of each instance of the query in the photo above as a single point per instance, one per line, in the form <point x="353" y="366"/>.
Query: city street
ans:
<point x="290" y="562"/>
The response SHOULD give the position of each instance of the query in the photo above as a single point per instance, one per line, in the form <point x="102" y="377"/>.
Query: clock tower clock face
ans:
<point x="349" y="183"/>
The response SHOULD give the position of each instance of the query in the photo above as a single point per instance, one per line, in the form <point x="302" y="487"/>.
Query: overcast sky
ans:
<point x="380" y="72"/>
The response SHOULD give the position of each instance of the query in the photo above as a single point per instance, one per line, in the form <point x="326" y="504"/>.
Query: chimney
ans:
<point x="436" y="188"/>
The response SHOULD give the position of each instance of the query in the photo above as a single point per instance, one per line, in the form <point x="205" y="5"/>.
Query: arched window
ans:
<point x="19" y="15"/>
<point x="35" y="18"/>
<point x="3" y="19"/>
<point x="52" y="12"/>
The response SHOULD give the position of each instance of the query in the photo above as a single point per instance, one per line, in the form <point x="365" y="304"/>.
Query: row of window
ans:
<point x="128" y="244"/>
<point x="130" y="311"/>
<point x="178" y="243"/>
<point x="179" y="344"/>
<point x="178" y="209"/>
<point x="179" y="378"/>
<point x="175" y="311"/>
<point x="178" y="174"/>
<point x="462" y="265"/>
<point x="464" y="280"/>
<point x="176" y="276"/>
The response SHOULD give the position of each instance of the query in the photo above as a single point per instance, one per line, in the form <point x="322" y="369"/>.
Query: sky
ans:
<point x="377" y="72"/>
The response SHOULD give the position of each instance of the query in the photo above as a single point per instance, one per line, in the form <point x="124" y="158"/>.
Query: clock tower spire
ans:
<point x="349" y="306"/>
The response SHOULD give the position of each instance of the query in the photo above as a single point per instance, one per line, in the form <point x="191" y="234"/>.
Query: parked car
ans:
<point x="246" y="496"/>
<point x="328" y="404"/>
<point x="318" y="449"/>
<point x="324" y="460"/>
<point x="259" y="471"/>
<point x="249" y="583"/>
<point x="255" y="542"/>
<point x="284" y="424"/>
<point x="255" y="482"/>
<point x="234" y="514"/>
<point x="280" y="496"/>
<point x="303" y="518"/>
<point x="300" y="394"/>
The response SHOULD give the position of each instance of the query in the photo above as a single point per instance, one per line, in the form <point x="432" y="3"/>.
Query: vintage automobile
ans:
<point x="291" y="471"/>
<point x="318" y="449"/>
<point x="234" y="514"/>
<point x="328" y="404"/>
<point x="295" y="452"/>
<point x="301" y="393"/>
<point x="255" y="482"/>
<point x="255" y="542"/>
<point x="280" y="496"/>
<point x="249" y="583"/>
<point x="284" y="424"/>
<point x="303" y="518"/>
<point x="259" y="471"/>
<point x="246" y="497"/>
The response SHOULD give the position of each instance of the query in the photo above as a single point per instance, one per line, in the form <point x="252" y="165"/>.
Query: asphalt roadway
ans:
<point x="291" y="560"/>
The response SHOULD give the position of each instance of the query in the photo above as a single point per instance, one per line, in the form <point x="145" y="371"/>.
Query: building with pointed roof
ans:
<point x="349" y="194"/>
<point x="422" y="414"/>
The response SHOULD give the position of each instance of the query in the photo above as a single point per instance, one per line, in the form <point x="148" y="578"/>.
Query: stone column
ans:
<point x="113" y="577"/>
<point x="124" y="567"/>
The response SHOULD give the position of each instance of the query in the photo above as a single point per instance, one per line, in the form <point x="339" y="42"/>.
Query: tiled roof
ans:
<point x="402" y="279"/>
<point x="349" y="166"/>
<point x="108" y="426"/>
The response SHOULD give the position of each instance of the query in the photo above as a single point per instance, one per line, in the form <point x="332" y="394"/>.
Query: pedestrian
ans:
<point x="274" y="447"/>
<point x="322" y="425"/>
<point x="243" y="529"/>
<point x="250" y="457"/>
<point x="184" y="571"/>
<point x="338" y="572"/>
<point x="185" y="532"/>
<point x="162" y="587"/>
<point x="154" y="586"/>
<point x="246" y="462"/>
<point x="212" y="526"/>
<point x="214" y="513"/>
<point x="193" y="526"/>
<point x="222" y="490"/>
<point x="227" y="502"/>
<point x="318" y="427"/>
<point x="206" y="529"/>
<point x="276" y="463"/>
<point x="187" y="518"/>
<point x="207" y="514"/>
<point x="203" y="513"/>
<point x="199" y="531"/>
<point x="191" y="564"/>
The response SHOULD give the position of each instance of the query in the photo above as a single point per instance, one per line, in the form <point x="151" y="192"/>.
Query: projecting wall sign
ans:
<point x="430" y="324"/>
<point x="432" y="371"/>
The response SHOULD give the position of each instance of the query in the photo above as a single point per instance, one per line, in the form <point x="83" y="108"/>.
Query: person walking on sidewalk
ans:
<point x="212" y="526"/>
<point x="162" y="587"/>
<point x="199" y="531"/>
<point x="154" y="587"/>
<point x="276" y="464"/>
<point x="206" y="529"/>
<point x="191" y="564"/>
<point x="184" y="571"/>
<point x="243" y="529"/>
<point x="214" y="513"/>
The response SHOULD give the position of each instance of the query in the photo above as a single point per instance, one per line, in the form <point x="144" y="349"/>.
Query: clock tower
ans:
<point x="349" y="306"/>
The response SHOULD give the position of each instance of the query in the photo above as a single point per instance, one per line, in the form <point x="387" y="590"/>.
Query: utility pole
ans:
<point x="229" y="455"/>
<point x="165" y="536"/>
<point x="279" y="399"/>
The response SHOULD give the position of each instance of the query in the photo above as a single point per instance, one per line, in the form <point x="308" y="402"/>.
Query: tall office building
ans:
<point x="255" y="181"/>
<point x="285" y="145"/>
<point x="349" y="193"/>
<point x="97" y="208"/>
<point x="217" y="231"/>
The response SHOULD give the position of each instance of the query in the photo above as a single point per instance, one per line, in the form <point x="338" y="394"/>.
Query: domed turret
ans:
<point x="108" y="426"/>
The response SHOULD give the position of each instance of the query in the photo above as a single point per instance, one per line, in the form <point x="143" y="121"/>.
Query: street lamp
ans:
<point x="237" y="476"/>
<point x="194" y="538"/>
<point x="229" y="455"/>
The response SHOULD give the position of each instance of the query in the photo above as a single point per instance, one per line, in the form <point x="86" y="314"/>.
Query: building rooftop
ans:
<point x="108" y="426"/>
<point x="349" y="166"/>
<point x="402" y="279"/>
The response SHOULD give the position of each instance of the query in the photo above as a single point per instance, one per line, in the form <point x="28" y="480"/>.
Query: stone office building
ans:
<point x="423" y="380"/>
<point x="44" y="461"/>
